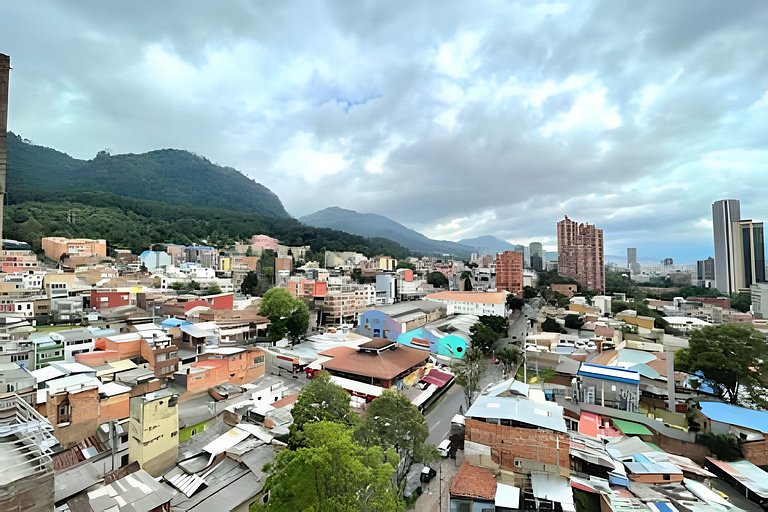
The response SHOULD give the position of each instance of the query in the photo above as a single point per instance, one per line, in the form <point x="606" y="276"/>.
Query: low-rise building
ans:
<point x="56" y="246"/>
<point x="472" y="303"/>
<point x="608" y="386"/>
<point x="391" y="321"/>
<point x="153" y="432"/>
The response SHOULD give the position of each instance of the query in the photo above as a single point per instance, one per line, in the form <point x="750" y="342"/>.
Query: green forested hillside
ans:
<point x="136" y="224"/>
<point x="134" y="201"/>
<point x="168" y="175"/>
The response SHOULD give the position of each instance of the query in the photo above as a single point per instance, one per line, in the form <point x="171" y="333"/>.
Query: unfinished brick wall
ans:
<point x="756" y="452"/>
<point x="84" y="416"/>
<point x="510" y="443"/>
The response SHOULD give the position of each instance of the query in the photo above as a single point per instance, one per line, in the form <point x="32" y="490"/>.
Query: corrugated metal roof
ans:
<point x="735" y="415"/>
<point x="554" y="488"/>
<point x="613" y="373"/>
<point x="545" y="415"/>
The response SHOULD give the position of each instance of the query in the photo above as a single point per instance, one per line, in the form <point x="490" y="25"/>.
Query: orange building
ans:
<point x="55" y="246"/>
<point x="509" y="272"/>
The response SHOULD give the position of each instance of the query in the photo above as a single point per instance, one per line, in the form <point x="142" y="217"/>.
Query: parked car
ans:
<point x="225" y="391"/>
<point x="427" y="474"/>
<point x="444" y="447"/>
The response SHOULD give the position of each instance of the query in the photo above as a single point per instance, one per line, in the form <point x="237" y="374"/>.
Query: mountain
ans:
<point x="168" y="175"/>
<point x="373" y="225"/>
<point x="488" y="244"/>
<point x="134" y="201"/>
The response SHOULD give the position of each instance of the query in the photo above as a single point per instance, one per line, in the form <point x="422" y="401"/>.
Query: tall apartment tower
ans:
<point x="509" y="272"/>
<point x="724" y="213"/>
<point x="580" y="254"/>
<point x="632" y="264"/>
<point x="536" y="252"/>
<point x="739" y="248"/>
<point x="5" y="74"/>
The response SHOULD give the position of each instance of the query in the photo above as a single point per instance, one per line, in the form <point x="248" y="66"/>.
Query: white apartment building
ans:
<point x="472" y="303"/>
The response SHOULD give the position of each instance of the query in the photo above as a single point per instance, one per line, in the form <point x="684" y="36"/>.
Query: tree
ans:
<point x="405" y="264"/>
<point x="249" y="251"/>
<point x="573" y="322"/>
<point x="466" y="284"/>
<point x="550" y="325"/>
<point x="437" y="279"/>
<point x="741" y="301"/>
<point x="333" y="472"/>
<point x="469" y="371"/>
<point x="555" y="298"/>
<point x="297" y="322"/>
<point x="394" y="423"/>
<point x="514" y="303"/>
<point x="278" y="305"/>
<point x="250" y="284"/>
<point x="731" y="358"/>
<point x="496" y="322"/>
<point x="212" y="289"/>
<point x="509" y="356"/>
<point x="725" y="446"/>
<point x="529" y="292"/>
<point x="320" y="400"/>
<point x="483" y="337"/>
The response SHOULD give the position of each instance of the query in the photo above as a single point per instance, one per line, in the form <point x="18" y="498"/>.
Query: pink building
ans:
<point x="55" y="246"/>
<point x="261" y="243"/>
<point x="580" y="254"/>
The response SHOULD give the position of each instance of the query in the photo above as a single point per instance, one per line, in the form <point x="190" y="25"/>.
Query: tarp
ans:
<point x="437" y="378"/>
<point x="630" y="428"/>
<point x="554" y="488"/>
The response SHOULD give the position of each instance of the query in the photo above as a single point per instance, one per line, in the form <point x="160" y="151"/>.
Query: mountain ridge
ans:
<point x="169" y="175"/>
<point x="375" y="225"/>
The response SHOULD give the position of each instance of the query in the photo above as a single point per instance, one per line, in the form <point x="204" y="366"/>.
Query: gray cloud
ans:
<point x="474" y="118"/>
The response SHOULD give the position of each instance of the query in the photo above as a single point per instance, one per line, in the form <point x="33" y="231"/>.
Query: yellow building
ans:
<point x="225" y="264"/>
<point x="153" y="439"/>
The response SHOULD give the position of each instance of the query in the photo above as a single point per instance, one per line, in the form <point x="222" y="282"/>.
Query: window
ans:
<point x="65" y="412"/>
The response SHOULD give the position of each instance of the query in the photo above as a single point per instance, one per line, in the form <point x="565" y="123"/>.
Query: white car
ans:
<point x="444" y="447"/>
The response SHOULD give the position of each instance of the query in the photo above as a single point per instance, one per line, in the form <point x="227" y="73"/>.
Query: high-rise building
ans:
<point x="705" y="272"/>
<point x="580" y="254"/>
<point x="632" y="264"/>
<point x="536" y="251"/>
<point x="739" y="248"/>
<point x="5" y="74"/>
<point x="509" y="272"/>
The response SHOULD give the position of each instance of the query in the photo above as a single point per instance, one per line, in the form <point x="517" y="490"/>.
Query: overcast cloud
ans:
<point x="458" y="119"/>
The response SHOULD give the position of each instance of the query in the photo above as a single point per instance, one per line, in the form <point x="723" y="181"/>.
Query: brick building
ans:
<point x="55" y="246"/>
<point x="509" y="272"/>
<point x="580" y="254"/>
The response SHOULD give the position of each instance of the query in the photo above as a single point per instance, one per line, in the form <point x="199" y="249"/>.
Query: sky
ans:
<point x="455" y="118"/>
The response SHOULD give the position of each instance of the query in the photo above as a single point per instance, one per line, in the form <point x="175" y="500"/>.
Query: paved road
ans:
<point x="439" y="415"/>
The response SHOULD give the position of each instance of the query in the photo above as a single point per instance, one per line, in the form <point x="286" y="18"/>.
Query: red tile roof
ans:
<point x="385" y="365"/>
<point x="474" y="482"/>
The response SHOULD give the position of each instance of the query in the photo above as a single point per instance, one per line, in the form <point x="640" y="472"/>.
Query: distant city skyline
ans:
<point x="635" y="123"/>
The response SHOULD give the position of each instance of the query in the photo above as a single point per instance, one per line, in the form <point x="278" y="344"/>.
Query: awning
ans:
<point x="507" y="496"/>
<point x="662" y="506"/>
<point x="630" y="428"/>
<point x="437" y="378"/>
<point x="583" y="485"/>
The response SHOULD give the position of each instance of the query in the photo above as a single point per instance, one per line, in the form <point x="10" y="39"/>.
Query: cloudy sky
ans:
<point x="458" y="119"/>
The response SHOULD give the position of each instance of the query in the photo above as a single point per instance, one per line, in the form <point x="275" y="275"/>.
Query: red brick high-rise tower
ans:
<point x="509" y="272"/>
<point x="580" y="254"/>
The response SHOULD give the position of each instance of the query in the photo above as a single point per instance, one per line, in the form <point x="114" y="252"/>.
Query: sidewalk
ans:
<point x="429" y="501"/>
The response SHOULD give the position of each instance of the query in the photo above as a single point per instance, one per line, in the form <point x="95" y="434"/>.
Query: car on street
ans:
<point x="225" y="391"/>
<point x="427" y="474"/>
<point x="444" y="447"/>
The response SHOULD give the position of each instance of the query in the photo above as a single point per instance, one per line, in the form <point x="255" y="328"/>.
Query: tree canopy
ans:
<point x="469" y="371"/>
<point x="437" y="279"/>
<point x="730" y="358"/>
<point x="321" y="400"/>
<point x="514" y="303"/>
<point x="509" y="356"/>
<point x="250" y="284"/>
<point x="287" y="315"/>
<point x="483" y="337"/>
<point x="394" y="423"/>
<point x="550" y="325"/>
<point x="741" y="301"/>
<point x="333" y="472"/>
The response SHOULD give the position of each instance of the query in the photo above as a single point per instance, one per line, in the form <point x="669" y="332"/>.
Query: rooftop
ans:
<point x="137" y="491"/>
<point x="474" y="482"/>
<point x="537" y="414"/>
<point x="613" y="373"/>
<point x="735" y="415"/>
<point x="475" y="297"/>
<point x="383" y="365"/>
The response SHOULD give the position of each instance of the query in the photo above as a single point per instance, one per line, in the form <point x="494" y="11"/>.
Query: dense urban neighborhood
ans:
<point x="171" y="340"/>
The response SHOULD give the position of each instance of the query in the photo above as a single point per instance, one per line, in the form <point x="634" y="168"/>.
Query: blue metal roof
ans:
<point x="613" y="373"/>
<point x="735" y="415"/>
<point x="174" y="322"/>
